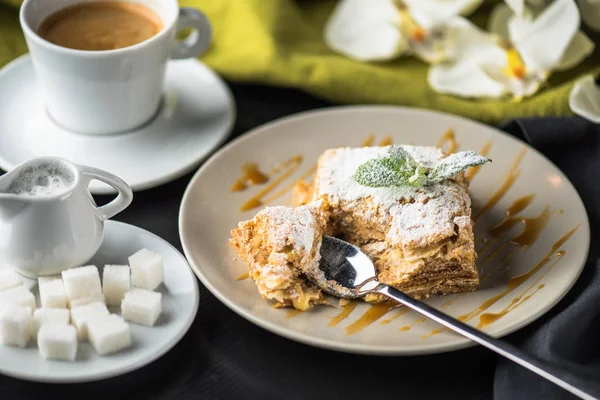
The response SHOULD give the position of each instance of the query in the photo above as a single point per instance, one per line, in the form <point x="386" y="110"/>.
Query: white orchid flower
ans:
<point x="377" y="30"/>
<point x="487" y="66"/>
<point x="512" y="21"/>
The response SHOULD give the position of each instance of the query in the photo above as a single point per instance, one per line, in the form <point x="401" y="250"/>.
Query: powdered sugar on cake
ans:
<point x="418" y="216"/>
<point x="296" y="227"/>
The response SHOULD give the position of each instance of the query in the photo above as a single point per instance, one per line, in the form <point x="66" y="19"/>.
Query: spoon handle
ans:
<point x="559" y="377"/>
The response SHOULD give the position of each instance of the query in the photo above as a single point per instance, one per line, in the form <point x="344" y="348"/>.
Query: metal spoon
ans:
<point x="345" y="271"/>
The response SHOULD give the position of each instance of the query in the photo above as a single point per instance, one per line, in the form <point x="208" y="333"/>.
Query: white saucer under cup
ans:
<point x="196" y="116"/>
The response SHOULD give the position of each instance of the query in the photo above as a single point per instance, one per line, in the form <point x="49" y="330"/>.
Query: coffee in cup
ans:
<point x="102" y="25"/>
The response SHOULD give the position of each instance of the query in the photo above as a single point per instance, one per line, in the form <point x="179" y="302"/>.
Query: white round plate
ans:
<point x="209" y="211"/>
<point x="196" y="116"/>
<point x="180" y="299"/>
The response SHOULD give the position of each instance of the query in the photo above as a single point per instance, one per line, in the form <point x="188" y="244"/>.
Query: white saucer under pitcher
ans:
<point x="196" y="116"/>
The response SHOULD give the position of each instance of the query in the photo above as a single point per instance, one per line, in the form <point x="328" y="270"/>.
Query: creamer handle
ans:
<point x="123" y="199"/>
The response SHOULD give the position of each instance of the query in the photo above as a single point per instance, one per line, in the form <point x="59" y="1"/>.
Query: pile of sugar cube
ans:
<point x="74" y="307"/>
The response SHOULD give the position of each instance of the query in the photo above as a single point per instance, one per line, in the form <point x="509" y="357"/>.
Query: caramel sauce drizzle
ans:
<point x="432" y="333"/>
<point x="375" y="312"/>
<point x="409" y="327"/>
<point x="489" y="318"/>
<point x="403" y="311"/>
<point x="368" y="141"/>
<point x="346" y="310"/>
<point x="513" y="174"/>
<point x="287" y="168"/>
<point x="483" y="276"/>
<point x="243" y="276"/>
<point x="251" y="175"/>
<point x="386" y="141"/>
<point x="471" y="172"/>
<point x="516" y="207"/>
<point x="448" y="139"/>
<point x="532" y="227"/>
<point x="515" y="282"/>
<point x="519" y="205"/>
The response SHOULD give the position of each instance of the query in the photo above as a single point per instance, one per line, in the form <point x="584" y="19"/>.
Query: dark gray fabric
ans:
<point x="569" y="335"/>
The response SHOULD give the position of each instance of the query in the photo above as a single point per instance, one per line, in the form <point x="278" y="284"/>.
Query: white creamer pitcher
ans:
<point x="49" y="221"/>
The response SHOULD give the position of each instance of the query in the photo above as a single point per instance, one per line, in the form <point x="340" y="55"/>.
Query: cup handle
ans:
<point x="198" y="42"/>
<point x="123" y="199"/>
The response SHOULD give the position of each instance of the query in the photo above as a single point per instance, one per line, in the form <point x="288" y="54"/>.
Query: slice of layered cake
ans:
<point x="407" y="207"/>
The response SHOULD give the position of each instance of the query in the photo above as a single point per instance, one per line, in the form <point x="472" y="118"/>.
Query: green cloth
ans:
<point x="279" y="42"/>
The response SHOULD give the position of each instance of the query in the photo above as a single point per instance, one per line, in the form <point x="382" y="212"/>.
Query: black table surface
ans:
<point x="223" y="356"/>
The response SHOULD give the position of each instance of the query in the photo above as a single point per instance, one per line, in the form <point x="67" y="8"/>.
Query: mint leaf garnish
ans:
<point x="455" y="163"/>
<point x="379" y="172"/>
<point x="399" y="168"/>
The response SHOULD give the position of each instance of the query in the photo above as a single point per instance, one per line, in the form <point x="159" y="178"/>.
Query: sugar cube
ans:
<point x="16" y="325"/>
<point x="146" y="269"/>
<point x="141" y="306"/>
<point x="81" y="316"/>
<point x="58" y="342"/>
<point x="109" y="334"/>
<point x="115" y="282"/>
<point x="19" y="296"/>
<point x="53" y="294"/>
<point x="9" y="279"/>
<point x="49" y="278"/>
<point x="97" y="298"/>
<point x="82" y="282"/>
<point x="55" y="316"/>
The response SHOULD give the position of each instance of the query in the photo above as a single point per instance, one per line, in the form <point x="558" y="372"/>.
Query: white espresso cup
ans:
<point x="110" y="91"/>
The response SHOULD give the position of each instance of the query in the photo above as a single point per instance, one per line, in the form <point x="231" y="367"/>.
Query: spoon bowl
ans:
<point x="344" y="270"/>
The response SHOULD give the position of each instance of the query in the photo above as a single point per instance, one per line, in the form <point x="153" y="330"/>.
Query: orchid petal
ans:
<point x="541" y="43"/>
<point x="366" y="30"/>
<point x="499" y="20"/>
<point x="590" y="12"/>
<point x="584" y="99"/>
<point x="466" y="77"/>
<point x="580" y="47"/>
<point x="431" y="13"/>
